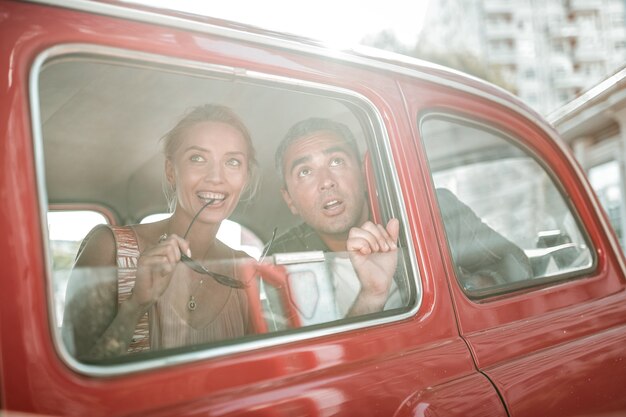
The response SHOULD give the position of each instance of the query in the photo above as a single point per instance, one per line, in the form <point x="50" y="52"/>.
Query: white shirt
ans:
<point x="319" y="298"/>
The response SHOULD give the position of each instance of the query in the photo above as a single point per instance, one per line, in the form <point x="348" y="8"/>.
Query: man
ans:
<point x="318" y="161"/>
<point x="323" y="183"/>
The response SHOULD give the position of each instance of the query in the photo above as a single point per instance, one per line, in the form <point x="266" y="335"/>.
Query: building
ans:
<point x="549" y="52"/>
<point x="594" y="125"/>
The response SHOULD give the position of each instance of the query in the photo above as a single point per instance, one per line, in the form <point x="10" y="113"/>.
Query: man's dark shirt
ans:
<point x="483" y="257"/>
<point x="298" y="239"/>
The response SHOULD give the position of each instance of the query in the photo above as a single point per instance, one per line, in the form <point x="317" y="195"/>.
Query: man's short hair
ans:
<point x="307" y="127"/>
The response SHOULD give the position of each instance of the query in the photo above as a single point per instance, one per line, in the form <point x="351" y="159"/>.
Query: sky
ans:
<point x="337" y="22"/>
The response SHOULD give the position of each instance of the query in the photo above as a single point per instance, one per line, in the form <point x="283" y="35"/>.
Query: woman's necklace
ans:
<point x="191" y="304"/>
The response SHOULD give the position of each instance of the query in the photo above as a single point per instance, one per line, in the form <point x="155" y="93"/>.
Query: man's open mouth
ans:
<point x="332" y="204"/>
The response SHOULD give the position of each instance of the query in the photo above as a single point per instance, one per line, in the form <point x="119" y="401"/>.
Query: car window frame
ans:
<point x="390" y="198"/>
<point x="496" y="292"/>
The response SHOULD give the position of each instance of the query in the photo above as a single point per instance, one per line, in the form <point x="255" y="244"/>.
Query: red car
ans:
<point x="90" y="87"/>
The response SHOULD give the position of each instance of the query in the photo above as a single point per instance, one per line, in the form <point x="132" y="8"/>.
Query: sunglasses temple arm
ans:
<point x="269" y="245"/>
<point x="208" y="203"/>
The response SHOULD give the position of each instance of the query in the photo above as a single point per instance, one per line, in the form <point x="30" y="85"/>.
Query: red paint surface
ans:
<point x="536" y="347"/>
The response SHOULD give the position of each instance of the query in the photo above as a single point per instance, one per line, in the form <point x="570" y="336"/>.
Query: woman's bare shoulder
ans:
<point x="98" y="248"/>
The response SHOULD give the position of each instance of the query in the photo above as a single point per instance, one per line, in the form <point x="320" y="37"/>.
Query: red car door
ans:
<point x="553" y="340"/>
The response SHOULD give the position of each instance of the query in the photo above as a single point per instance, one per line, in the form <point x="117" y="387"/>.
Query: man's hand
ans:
<point x="374" y="254"/>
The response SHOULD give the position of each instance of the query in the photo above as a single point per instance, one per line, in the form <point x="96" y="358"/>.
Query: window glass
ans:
<point x="507" y="224"/>
<point x="236" y="259"/>
<point x="66" y="229"/>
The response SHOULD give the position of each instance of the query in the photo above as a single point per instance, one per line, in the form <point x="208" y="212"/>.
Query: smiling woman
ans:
<point x="164" y="285"/>
<point x="209" y="161"/>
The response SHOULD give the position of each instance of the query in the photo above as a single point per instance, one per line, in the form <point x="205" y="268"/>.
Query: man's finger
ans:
<point x="366" y="236"/>
<point x="359" y="244"/>
<point x="379" y="234"/>
<point x="393" y="228"/>
<point x="385" y="240"/>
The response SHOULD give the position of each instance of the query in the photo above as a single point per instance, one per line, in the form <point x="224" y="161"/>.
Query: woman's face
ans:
<point x="211" y="162"/>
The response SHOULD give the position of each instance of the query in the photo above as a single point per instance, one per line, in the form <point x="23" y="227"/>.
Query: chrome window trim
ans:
<point x="595" y="94"/>
<point x="385" y="160"/>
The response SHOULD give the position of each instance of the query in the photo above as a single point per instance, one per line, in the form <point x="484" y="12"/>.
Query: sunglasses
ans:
<point x="201" y="269"/>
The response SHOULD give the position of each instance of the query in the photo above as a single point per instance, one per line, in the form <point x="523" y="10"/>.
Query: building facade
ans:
<point x="548" y="52"/>
<point x="594" y="125"/>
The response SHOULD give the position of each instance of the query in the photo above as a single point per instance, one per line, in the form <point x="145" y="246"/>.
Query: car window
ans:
<point x="507" y="222"/>
<point x="103" y="122"/>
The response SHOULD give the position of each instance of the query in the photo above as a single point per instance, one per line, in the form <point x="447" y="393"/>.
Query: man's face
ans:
<point x="324" y="183"/>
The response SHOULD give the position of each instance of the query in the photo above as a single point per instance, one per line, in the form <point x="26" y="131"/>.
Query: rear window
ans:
<point x="507" y="222"/>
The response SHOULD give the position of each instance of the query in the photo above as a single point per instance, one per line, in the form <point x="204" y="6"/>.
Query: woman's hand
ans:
<point x="155" y="268"/>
